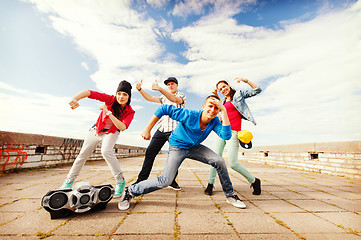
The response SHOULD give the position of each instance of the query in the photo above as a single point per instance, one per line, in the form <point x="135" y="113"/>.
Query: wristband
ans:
<point x="108" y="113"/>
<point x="140" y="89"/>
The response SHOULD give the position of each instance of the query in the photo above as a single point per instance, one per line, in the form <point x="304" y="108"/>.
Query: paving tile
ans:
<point x="306" y="223"/>
<point x="350" y="205"/>
<point x="334" y="236"/>
<point x="348" y="220"/>
<point x="290" y="195"/>
<point x="315" y="205"/>
<point x="154" y="206"/>
<point x="202" y="222"/>
<point x="228" y="236"/>
<point x="22" y="205"/>
<point x="142" y="237"/>
<point x="269" y="236"/>
<point x="277" y="206"/>
<point x="31" y="223"/>
<point x="91" y="223"/>
<point x="147" y="223"/>
<point x="250" y="223"/>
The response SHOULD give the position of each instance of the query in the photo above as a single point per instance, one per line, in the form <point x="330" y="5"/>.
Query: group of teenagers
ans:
<point x="184" y="129"/>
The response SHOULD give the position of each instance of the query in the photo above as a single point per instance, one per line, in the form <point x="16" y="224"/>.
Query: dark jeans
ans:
<point x="156" y="143"/>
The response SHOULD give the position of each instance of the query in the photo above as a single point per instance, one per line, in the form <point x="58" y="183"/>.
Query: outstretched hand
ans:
<point x="155" y="86"/>
<point x="146" y="134"/>
<point x="215" y="92"/>
<point x="73" y="104"/>
<point x="239" y="79"/>
<point x="138" y="86"/>
<point x="103" y="108"/>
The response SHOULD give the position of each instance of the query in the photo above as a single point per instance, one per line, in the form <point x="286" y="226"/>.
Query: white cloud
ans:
<point x="316" y="90"/>
<point x="319" y="60"/>
<point x="199" y="7"/>
<point x="157" y="3"/>
<point x="120" y="40"/>
<point x="85" y="65"/>
<point x="31" y="112"/>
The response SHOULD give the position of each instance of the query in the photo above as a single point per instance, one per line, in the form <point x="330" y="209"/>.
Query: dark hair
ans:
<point x="117" y="109"/>
<point x="232" y="92"/>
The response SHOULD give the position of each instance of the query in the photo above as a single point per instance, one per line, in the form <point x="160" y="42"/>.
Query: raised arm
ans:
<point x="80" y="95"/>
<point x="146" y="95"/>
<point x="219" y="104"/>
<point x="166" y="94"/>
<point x="245" y="80"/>
<point x="250" y="92"/>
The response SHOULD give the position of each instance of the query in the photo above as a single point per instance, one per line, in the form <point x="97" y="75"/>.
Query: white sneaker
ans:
<point x="124" y="202"/>
<point x="235" y="201"/>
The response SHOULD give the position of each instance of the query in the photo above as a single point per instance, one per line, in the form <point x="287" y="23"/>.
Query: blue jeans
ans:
<point x="175" y="158"/>
<point x="156" y="143"/>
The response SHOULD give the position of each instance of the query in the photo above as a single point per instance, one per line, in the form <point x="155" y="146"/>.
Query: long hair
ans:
<point x="232" y="92"/>
<point x="117" y="109"/>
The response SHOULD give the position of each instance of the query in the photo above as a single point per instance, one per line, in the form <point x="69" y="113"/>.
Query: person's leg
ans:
<point x="174" y="160"/>
<point x="90" y="143"/>
<point x="232" y="151"/>
<point x="204" y="154"/>
<point x="174" y="185"/>
<point x="156" y="143"/>
<point x="107" y="150"/>
<point x="218" y="148"/>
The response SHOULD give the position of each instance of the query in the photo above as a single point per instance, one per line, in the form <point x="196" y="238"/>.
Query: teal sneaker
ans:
<point x="67" y="184"/>
<point x="119" y="188"/>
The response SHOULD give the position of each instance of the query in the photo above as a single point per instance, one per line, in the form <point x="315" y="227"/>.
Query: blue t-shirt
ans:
<point x="188" y="132"/>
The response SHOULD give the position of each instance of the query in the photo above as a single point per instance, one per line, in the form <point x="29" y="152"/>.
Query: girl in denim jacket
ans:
<point x="237" y="110"/>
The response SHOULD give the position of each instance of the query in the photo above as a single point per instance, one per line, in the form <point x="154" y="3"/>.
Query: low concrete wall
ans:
<point x="335" y="158"/>
<point x="21" y="150"/>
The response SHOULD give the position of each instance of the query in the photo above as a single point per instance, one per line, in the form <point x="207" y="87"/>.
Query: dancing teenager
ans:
<point x="115" y="116"/>
<point x="185" y="142"/>
<point x="237" y="110"/>
<point x="165" y="127"/>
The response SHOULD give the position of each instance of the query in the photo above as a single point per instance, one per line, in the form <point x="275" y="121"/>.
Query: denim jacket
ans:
<point x="240" y="104"/>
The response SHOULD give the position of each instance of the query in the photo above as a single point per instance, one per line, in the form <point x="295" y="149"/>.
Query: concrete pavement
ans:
<point x="293" y="205"/>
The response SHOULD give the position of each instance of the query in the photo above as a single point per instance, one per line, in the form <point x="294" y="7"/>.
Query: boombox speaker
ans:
<point x="81" y="198"/>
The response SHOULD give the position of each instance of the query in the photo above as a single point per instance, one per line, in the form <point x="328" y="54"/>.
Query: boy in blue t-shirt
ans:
<point x="185" y="142"/>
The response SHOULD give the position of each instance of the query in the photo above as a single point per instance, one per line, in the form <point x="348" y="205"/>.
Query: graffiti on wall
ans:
<point x="13" y="150"/>
<point x="69" y="146"/>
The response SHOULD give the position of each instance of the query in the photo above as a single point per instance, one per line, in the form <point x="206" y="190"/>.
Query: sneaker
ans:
<point x="209" y="189"/>
<point x="256" y="187"/>
<point x="124" y="202"/>
<point x="175" y="186"/>
<point x="67" y="184"/>
<point x="119" y="188"/>
<point x="235" y="201"/>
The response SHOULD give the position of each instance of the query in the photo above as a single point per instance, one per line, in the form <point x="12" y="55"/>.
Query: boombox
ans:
<point x="81" y="198"/>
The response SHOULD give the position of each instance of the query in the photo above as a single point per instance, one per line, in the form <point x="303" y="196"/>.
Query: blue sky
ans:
<point x="305" y="55"/>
